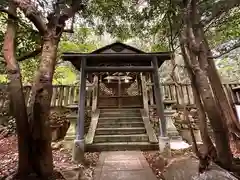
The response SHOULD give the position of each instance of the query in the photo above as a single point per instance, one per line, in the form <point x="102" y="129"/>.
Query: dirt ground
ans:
<point x="61" y="159"/>
<point x="158" y="163"/>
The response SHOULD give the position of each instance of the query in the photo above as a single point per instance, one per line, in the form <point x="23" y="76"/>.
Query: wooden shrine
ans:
<point x="119" y="73"/>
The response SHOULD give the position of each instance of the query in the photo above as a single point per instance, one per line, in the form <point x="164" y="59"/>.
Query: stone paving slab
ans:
<point x="123" y="165"/>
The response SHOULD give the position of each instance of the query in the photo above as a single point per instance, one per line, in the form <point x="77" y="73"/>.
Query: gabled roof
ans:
<point x="118" y="47"/>
<point x="116" y="54"/>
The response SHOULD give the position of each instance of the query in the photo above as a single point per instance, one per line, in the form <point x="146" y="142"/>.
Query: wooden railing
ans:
<point x="64" y="95"/>
<point x="170" y="92"/>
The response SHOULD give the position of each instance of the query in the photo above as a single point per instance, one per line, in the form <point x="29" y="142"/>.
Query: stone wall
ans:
<point x="179" y="122"/>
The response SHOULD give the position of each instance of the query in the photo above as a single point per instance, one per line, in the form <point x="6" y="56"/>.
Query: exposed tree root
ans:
<point x="204" y="159"/>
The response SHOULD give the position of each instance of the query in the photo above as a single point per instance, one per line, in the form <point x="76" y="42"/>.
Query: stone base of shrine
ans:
<point x="164" y="146"/>
<point x="71" y="133"/>
<point x="68" y="142"/>
<point x="78" y="151"/>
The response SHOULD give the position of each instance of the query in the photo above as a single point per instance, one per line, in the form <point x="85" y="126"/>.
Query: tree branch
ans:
<point x="32" y="14"/>
<point x="235" y="46"/>
<point x="70" y="12"/>
<point x="17" y="18"/>
<point x="29" y="54"/>
<point x="219" y="8"/>
<point x="10" y="14"/>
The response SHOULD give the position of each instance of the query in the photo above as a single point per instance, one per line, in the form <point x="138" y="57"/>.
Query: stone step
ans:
<point x="113" y="120"/>
<point x="121" y="110"/>
<point x="124" y="130"/>
<point x="120" y="114"/>
<point x="176" y="138"/>
<point x="119" y="124"/>
<point x="121" y="146"/>
<point x="169" y="111"/>
<point x="72" y="116"/>
<point x="121" y="138"/>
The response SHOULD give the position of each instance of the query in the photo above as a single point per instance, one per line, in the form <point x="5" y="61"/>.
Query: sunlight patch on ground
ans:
<point x="179" y="145"/>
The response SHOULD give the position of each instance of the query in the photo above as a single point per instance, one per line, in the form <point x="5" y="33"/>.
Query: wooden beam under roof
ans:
<point x="119" y="69"/>
<point x="111" y="56"/>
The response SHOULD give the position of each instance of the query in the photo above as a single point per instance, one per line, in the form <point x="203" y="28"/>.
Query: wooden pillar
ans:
<point x="144" y="93"/>
<point x="151" y="90"/>
<point x="88" y="97"/>
<point x="81" y="104"/>
<point x="95" y="93"/>
<point x="138" y="77"/>
<point x="100" y="79"/>
<point x="79" y="144"/>
<point x="89" y="77"/>
<point x="119" y="91"/>
<point x="158" y="99"/>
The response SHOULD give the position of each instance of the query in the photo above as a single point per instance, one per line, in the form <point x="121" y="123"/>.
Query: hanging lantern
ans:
<point x="126" y="79"/>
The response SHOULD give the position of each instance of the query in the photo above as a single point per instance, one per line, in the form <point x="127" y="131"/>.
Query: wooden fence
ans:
<point x="170" y="92"/>
<point x="65" y="95"/>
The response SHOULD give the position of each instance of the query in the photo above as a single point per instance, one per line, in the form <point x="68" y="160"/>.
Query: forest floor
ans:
<point x="64" y="165"/>
<point x="61" y="159"/>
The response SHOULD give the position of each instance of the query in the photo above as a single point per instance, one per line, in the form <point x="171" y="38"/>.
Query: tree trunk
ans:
<point x="195" y="50"/>
<point x="207" y="64"/>
<point x="219" y="129"/>
<point x="216" y="84"/>
<point x="41" y="153"/>
<point x="209" y="148"/>
<point x="17" y="99"/>
<point x="33" y="131"/>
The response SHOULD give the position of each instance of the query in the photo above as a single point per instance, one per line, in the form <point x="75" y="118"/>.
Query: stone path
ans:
<point x="123" y="165"/>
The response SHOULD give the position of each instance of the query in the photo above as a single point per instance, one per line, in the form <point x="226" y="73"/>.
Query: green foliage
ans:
<point x="3" y="79"/>
<point x="84" y="40"/>
<point x="69" y="46"/>
<point x="229" y="69"/>
<point x="64" y="75"/>
<point x="226" y="29"/>
<point x="28" y="69"/>
<point x="159" y="47"/>
<point x="26" y="41"/>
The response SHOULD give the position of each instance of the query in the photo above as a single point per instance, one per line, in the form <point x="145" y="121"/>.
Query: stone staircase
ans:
<point x="120" y="129"/>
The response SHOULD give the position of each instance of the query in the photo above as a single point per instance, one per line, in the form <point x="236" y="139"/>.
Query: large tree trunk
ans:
<point x="17" y="99"/>
<point x="216" y="84"/>
<point x="42" y="160"/>
<point x="194" y="48"/>
<point x="209" y="148"/>
<point x="219" y="129"/>
<point x="207" y="64"/>
<point x="33" y="130"/>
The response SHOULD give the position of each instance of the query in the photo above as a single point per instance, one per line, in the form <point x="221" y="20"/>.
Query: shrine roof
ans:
<point x="116" y="53"/>
<point x="118" y="46"/>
